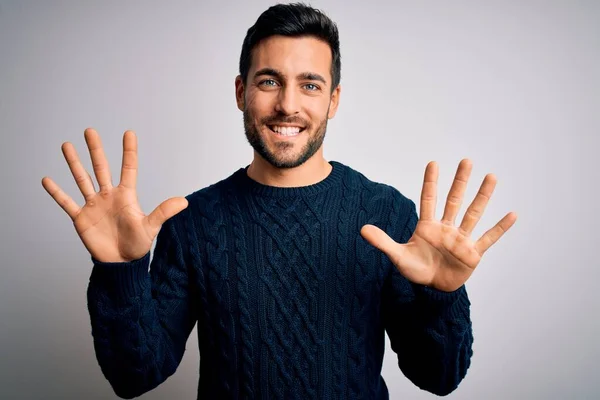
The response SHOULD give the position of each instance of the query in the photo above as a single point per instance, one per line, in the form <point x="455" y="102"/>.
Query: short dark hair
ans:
<point x="294" y="20"/>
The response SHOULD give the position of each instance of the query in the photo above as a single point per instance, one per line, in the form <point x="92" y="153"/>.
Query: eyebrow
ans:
<point x="308" y="76"/>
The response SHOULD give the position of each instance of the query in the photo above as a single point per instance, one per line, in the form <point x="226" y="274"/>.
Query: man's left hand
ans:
<point x="439" y="254"/>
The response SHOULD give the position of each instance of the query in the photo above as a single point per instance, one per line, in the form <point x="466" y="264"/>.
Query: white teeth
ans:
<point x="286" y="130"/>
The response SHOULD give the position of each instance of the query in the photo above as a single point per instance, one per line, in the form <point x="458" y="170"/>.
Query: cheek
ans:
<point x="250" y="103"/>
<point x="318" y="111"/>
<point x="260" y="102"/>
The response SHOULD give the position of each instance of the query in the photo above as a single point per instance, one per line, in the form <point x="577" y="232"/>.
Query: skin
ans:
<point x="111" y="223"/>
<point x="288" y="84"/>
<point x="440" y="254"/>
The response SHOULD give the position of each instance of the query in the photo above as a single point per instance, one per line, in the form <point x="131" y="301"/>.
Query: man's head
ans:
<point x="288" y="85"/>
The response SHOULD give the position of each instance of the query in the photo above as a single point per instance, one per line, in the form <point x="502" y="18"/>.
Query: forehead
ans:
<point x="292" y="55"/>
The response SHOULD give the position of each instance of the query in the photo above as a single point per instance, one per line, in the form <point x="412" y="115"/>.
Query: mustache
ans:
<point x="274" y="120"/>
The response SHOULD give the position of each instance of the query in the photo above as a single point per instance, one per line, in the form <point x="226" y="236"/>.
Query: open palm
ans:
<point x="111" y="224"/>
<point x="440" y="254"/>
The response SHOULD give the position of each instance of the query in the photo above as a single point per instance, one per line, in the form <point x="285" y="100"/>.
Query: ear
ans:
<point x="239" y="92"/>
<point x="334" y="102"/>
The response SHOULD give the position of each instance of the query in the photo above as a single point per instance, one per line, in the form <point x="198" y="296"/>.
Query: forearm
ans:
<point x="141" y="320"/>
<point x="432" y="335"/>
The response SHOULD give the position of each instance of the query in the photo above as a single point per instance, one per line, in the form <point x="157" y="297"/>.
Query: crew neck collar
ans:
<point x="245" y="182"/>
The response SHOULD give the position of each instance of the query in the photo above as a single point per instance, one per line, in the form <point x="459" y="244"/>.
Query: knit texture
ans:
<point x="290" y="301"/>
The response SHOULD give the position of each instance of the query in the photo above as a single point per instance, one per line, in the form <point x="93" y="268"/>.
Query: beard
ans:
<point x="277" y="156"/>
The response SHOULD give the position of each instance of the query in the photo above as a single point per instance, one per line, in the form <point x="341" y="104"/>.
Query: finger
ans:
<point x="382" y="241"/>
<point x="63" y="200"/>
<point x="129" y="165"/>
<point x="82" y="177"/>
<point x="457" y="191"/>
<point x="99" y="161"/>
<point x="477" y="207"/>
<point x="164" y="211"/>
<point x="495" y="233"/>
<point x="429" y="192"/>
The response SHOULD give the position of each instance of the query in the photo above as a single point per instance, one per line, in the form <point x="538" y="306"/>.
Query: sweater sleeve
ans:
<point x="142" y="319"/>
<point x="429" y="330"/>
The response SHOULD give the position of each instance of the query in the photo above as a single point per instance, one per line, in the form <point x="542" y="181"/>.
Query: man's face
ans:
<point x="287" y="99"/>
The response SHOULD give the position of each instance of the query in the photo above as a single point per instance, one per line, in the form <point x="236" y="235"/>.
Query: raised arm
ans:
<point x="140" y="320"/>
<point x="429" y="330"/>
<point x="426" y="308"/>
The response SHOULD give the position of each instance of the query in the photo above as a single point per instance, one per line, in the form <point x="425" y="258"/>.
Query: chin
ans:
<point x="284" y="162"/>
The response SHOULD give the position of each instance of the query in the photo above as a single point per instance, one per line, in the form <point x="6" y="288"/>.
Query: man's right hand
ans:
<point x="111" y="224"/>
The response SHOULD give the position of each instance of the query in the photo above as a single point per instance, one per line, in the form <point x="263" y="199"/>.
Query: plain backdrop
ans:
<point x="513" y="85"/>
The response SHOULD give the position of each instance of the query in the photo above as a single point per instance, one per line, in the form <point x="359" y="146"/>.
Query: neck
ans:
<point x="312" y="171"/>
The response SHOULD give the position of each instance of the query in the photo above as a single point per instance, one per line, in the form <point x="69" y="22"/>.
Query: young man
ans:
<point x="293" y="267"/>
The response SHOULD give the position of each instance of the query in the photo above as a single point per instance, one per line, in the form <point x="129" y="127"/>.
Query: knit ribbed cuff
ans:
<point x="453" y="304"/>
<point x="123" y="279"/>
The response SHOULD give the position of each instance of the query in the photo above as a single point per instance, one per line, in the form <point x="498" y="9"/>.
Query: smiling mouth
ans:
<point x="287" y="131"/>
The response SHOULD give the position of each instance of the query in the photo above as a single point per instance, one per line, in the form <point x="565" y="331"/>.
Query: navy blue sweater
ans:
<point x="290" y="301"/>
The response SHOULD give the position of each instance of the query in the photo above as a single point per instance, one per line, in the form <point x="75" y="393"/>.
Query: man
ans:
<point x="293" y="267"/>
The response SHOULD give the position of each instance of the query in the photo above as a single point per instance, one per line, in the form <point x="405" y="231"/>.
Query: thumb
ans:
<point x="378" y="238"/>
<point x="166" y="210"/>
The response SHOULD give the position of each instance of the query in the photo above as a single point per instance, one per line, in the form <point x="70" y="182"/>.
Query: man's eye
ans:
<point x="311" y="87"/>
<point x="268" y="82"/>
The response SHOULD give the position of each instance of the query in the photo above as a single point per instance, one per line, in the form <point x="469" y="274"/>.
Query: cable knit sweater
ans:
<point x="290" y="301"/>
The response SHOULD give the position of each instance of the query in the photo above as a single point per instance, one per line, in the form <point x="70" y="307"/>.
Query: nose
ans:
<point x="288" y="101"/>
